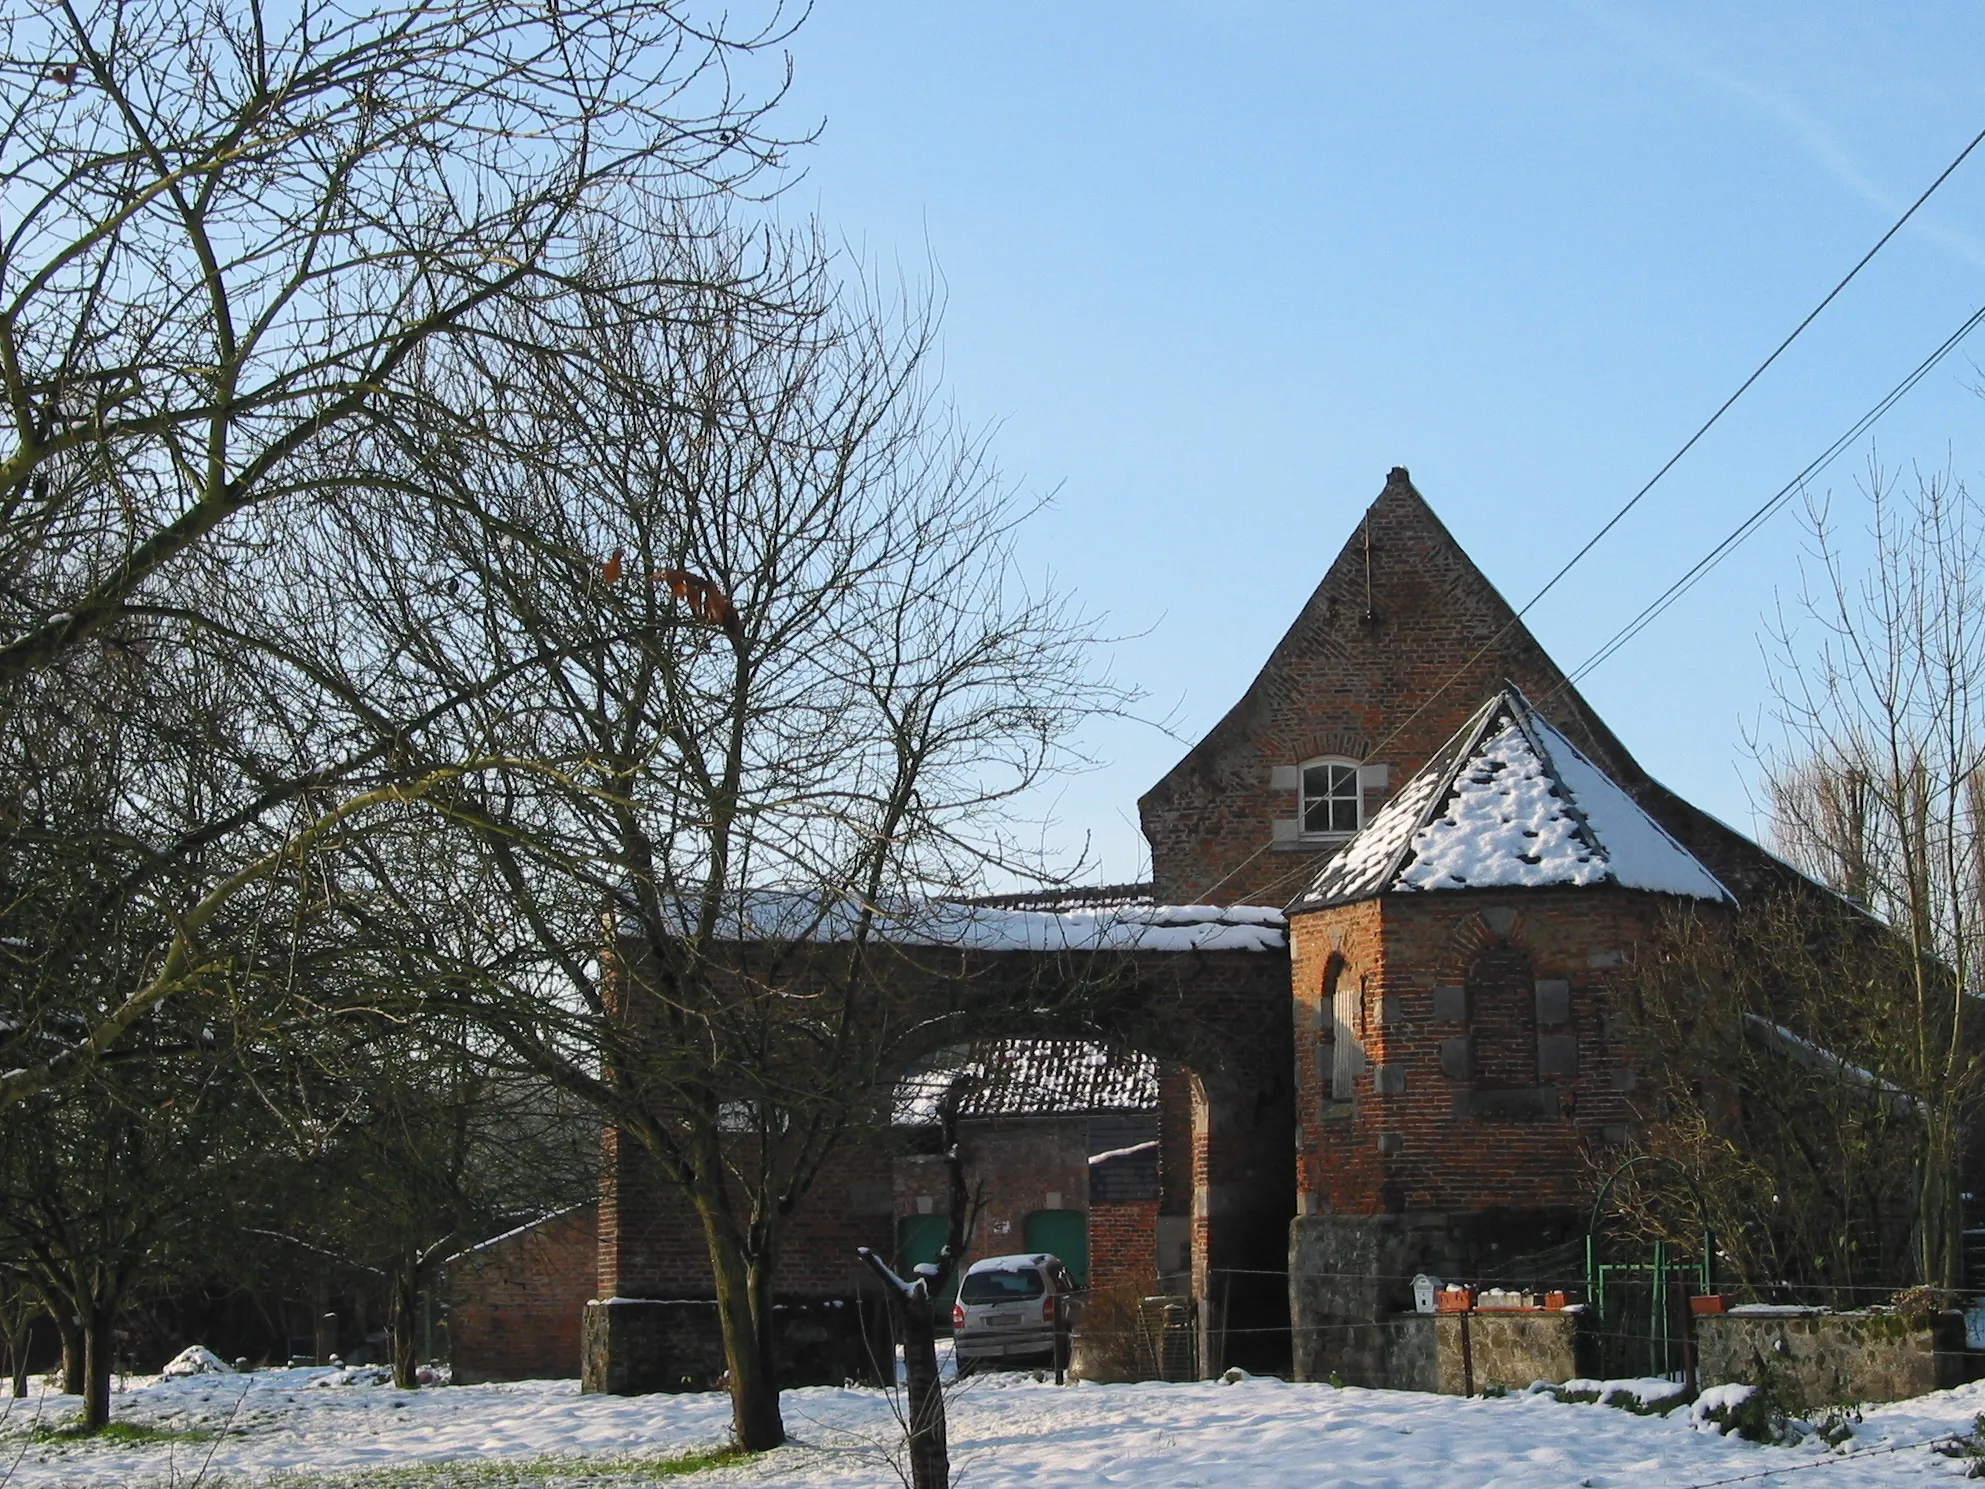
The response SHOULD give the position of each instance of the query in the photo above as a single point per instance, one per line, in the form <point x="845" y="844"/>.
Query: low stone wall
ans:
<point x="1450" y="1353"/>
<point x="1350" y="1284"/>
<point x="1809" y="1358"/>
<point x="638" y="1346"/>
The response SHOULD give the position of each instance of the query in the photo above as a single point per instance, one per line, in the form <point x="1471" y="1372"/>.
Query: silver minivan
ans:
<point x="1006" y="1310"/>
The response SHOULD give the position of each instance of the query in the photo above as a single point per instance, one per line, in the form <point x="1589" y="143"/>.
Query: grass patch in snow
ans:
<point x="117" y="1434"/>
<point x="553" y="1471"/>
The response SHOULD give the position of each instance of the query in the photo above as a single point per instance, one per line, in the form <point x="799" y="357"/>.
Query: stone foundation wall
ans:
<point x="1811" y="1359"/>
<point x="1351" y="1280"/>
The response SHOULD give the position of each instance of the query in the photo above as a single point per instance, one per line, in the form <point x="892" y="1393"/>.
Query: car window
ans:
<point x="1001" y="1287"/>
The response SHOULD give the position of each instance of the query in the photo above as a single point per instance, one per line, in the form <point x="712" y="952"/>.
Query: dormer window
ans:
<point x="1333" y="801"/>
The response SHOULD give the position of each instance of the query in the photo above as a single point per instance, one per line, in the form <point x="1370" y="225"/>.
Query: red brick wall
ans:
<point x="1123" y="1243"/>
<point x="1020" y="1163"/>
<point x="651" y="1244"/>
<point x="515" y="1306"/>
<point x="1402" y="948"/>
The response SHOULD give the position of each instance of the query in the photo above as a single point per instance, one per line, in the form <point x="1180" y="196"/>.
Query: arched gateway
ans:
<point x="1409" y="1085"/>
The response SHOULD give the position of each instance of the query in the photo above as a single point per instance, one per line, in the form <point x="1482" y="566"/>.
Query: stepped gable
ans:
<point x="1367" y="671"/>
<point x="1509" y="803"/>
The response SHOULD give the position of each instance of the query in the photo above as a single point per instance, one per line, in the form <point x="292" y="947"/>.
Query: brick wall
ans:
<point x="516" y="1305"/>
<point x="1493" y="1065"/>
<point x="651" y="1244"/>
<point x="1123" y="1243"/>
<point x="1402" y="611"/>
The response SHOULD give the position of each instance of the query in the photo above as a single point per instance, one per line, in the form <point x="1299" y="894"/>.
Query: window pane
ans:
<point x="1331" y="798"/>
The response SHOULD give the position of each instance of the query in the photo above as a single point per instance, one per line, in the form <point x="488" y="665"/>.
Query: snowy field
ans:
<point x="281" y="1427"/>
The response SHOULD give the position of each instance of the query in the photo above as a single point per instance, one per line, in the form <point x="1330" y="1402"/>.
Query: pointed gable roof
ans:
<point x="1508" y="802"/>
<point x="1386" y="658"/>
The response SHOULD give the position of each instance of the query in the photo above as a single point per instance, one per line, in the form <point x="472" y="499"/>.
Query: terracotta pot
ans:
<point x="1708" y="1303"/>
<point x="1453" y="1300"/>
<point x="1557" y="1300"/>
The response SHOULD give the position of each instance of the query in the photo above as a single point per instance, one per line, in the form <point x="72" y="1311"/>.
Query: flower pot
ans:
<point x="1453" y="1300"/>
<point x="1557" y="1300"/>
<point x="1708" y="1303"/>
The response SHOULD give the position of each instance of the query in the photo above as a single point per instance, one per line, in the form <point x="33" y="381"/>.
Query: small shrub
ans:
<point x="1119" y="1340"/>
<point x="1494" y="1389"/>
<point x="1969" y="1445"/>
<point x="1835" y="1425"/>
<point x="1917" y="1301"/>
<point x="1752" y="1412"/>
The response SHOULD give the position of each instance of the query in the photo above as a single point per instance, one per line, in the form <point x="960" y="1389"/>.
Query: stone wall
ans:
<point x="1351" y="1283"/>
<point x="1809" y="1358"/>
<point x="1460" y="1354"/>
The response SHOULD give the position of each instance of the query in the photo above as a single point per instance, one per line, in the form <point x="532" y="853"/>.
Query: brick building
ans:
<point x="1411" y="1084"/>
<point x="1058" y="1146"/>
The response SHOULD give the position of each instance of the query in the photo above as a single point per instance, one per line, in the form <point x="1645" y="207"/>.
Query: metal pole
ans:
<point x="1061" y="1338"/>
<point x="1657" y="1342"/>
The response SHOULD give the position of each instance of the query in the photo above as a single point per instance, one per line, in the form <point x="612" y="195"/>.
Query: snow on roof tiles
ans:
<point x="1129" y="926"/>
<point x="1029" y="1078"/>
<point x="1509" y="802"/>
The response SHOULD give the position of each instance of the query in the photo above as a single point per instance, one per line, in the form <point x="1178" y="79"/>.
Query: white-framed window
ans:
<point x="1333" y="801"/>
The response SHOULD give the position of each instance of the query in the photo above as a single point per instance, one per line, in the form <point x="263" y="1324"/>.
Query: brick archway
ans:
<point x="1218" y="1023"/>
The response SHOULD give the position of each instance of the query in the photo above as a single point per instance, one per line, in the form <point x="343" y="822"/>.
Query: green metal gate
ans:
<point x="1642" y="1322"/>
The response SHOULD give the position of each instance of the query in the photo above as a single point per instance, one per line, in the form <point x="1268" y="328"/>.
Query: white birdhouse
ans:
<point x="1425" y="1290"/>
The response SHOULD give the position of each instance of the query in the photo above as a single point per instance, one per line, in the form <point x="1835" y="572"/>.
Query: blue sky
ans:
<point x="1212" y="269"/>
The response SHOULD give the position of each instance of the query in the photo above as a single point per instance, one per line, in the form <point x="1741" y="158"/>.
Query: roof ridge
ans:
<point x="1534" y="726"/>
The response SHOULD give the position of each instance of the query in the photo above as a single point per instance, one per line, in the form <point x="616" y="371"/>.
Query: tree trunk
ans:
<point x="747" y="1327"/>
<point x="19" y="1331"/>
<point x="405" y="1324"/>
<point x="912" y="1311"/>
<point x="97" y="1348"/>
<point x="72" y="1347"/>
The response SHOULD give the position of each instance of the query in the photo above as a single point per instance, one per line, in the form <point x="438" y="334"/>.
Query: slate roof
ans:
<point x="1030" y="1078"/>
<point x="1508" y="802"/>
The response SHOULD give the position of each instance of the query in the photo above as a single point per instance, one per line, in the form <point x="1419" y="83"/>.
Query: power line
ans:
<point x="1773" y="503"/>
<point x="1690" y="443"/>
<point x="1653" y="480"/>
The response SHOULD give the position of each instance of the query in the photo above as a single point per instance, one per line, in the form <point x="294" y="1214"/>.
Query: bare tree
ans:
<point x="751" y="605"/>
<point x="1877" y="787"/>
<point x="234" y="228"/>
<point x="237" y="235"/>
<point x="409" y="1149"/>
<point x="1761" y="1043"/>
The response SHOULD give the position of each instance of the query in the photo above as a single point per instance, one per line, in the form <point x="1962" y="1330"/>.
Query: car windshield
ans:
<point x="1001" y="1287"/>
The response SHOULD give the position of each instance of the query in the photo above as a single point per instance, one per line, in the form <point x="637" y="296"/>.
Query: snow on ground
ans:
<point x="1007" y="1432"/>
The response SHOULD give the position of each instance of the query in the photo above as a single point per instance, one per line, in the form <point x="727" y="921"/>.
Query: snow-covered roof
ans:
<point x="1029" y="1078"/>
<point x="1509" y="803"/>
<point x="1122" y="926"/>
